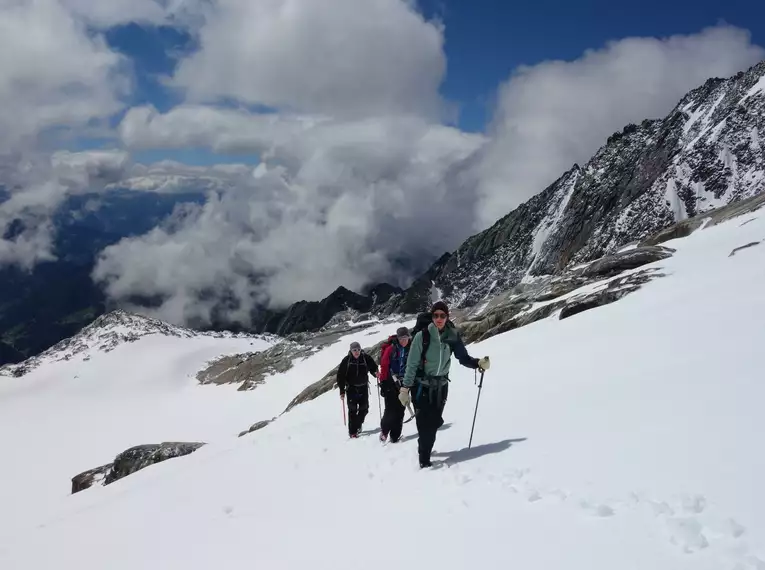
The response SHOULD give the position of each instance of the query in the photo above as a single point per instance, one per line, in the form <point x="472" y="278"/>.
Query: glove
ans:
<point x="484" y="363"/>
<point x="403" y="397"/>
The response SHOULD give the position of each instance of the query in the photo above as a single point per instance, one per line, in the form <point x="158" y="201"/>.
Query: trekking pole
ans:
<point x="379" y="405"/>
<point x="342" y="400"/>
<point x="480" y="385"/>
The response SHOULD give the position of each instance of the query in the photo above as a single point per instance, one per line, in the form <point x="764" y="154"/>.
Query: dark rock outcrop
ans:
<point x="707" y="219"/>
<point x="624" y="260"/>
<point x="306" y="316"/>
<point x="87" y="479"/>
<point x="249" y="370"/>
<point x="255" y="427"/>
<point x="130" y="461"/>
<point x="746" y="246"/>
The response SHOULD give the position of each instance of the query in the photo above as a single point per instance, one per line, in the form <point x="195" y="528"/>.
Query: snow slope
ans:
<point x="625" y="437"/>
<point x="67" y="416"/>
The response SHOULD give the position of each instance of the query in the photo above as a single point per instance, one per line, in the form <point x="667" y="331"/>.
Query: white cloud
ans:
<point x="107" y="13"/>
<point x="343" y="57"/>
<point x="337" y="199"/>
<point x="556" y="113"/>
<point x="52" y="73"/>
<point x="38" y="184"/>
<point x="333" y="204"/>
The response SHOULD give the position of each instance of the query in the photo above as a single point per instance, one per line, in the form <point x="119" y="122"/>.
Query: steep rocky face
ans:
<point x="705" y="154"/>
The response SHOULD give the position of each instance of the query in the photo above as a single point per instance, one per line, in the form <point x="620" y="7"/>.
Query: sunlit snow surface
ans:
<point x="628" y="436"/>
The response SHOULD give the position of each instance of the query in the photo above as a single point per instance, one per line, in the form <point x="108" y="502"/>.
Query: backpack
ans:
<point x="423" y="321"/>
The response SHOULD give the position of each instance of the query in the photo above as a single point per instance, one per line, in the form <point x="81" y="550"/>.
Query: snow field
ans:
<point x="627" y="436"/>
<point x="69" y="416"/>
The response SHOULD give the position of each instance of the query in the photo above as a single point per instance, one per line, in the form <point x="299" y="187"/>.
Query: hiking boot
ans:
<point x="383" y="437"/>
<point x="354" y="435"/>
<point x="425" y="463"/>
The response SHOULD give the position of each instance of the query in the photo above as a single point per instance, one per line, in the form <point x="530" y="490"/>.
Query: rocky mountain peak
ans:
<point x="706" y="153"/>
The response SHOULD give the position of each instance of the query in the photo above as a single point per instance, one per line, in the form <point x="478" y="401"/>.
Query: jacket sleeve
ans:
<point x="385" y="363"/>
<point x="341" y="371"/>
<point x="459" y="350"/>
<point x="413" y="360"/>
<point x="371" y="364"/>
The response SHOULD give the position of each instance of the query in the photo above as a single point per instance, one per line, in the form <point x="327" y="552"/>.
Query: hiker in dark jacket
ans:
<point x="353" y="379"/>
<point x="431" y="381"/>
<point x="392" y="367"/>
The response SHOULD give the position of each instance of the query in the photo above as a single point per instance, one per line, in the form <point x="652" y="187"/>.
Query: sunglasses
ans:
<point x="439" y="315"/>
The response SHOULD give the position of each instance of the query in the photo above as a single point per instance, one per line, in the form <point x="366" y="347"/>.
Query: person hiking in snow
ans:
<point x="392" y="367"/>
<point x="427" y="372"/>
<point x="352" y="379"/>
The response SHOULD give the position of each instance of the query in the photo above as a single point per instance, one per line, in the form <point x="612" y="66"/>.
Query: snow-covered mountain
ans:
<point x="619" y="437"/>
<point x="706" y="153"/>
<point x="109" y="331"/>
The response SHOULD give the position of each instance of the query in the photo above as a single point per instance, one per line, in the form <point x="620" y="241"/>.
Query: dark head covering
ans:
<point x="439" y="306"/>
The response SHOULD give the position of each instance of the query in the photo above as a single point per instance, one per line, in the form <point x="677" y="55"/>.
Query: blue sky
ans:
<point x="485" y="41"/>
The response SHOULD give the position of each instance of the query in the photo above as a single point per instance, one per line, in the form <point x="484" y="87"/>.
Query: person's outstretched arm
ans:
<point x="462" y="355"/>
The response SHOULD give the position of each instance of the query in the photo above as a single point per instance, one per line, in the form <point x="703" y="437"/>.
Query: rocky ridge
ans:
<point x="705" y="154"/>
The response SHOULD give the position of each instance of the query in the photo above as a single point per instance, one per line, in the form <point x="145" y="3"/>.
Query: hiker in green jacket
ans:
<point x="431" y="380"/>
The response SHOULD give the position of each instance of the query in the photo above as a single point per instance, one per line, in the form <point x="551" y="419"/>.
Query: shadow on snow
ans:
<point x="465" y="454"/>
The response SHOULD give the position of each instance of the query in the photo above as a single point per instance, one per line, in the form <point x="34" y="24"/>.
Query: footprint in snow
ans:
<point x="687" y="533"/>
<point x="597" y="509"/>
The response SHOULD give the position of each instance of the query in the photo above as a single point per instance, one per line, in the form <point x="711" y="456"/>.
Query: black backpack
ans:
<point x="423" y="321"/>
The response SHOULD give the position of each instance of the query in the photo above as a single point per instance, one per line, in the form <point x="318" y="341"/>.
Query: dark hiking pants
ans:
<point x="358" y="406"/>
<point x="393" y="418"/>
<point x="429" y="402"/>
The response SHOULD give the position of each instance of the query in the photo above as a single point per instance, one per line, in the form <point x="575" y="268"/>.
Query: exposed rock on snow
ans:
<point x="130" y="461"/>
<point x="708" y="219"/>
<point x="250" y="370"/>
<point x="541" y="299"/>
<point x="87" y="479"/>
<point x="739" y="248"/>
<point x="255" y="427"/>
<point x="622" y="261"/>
